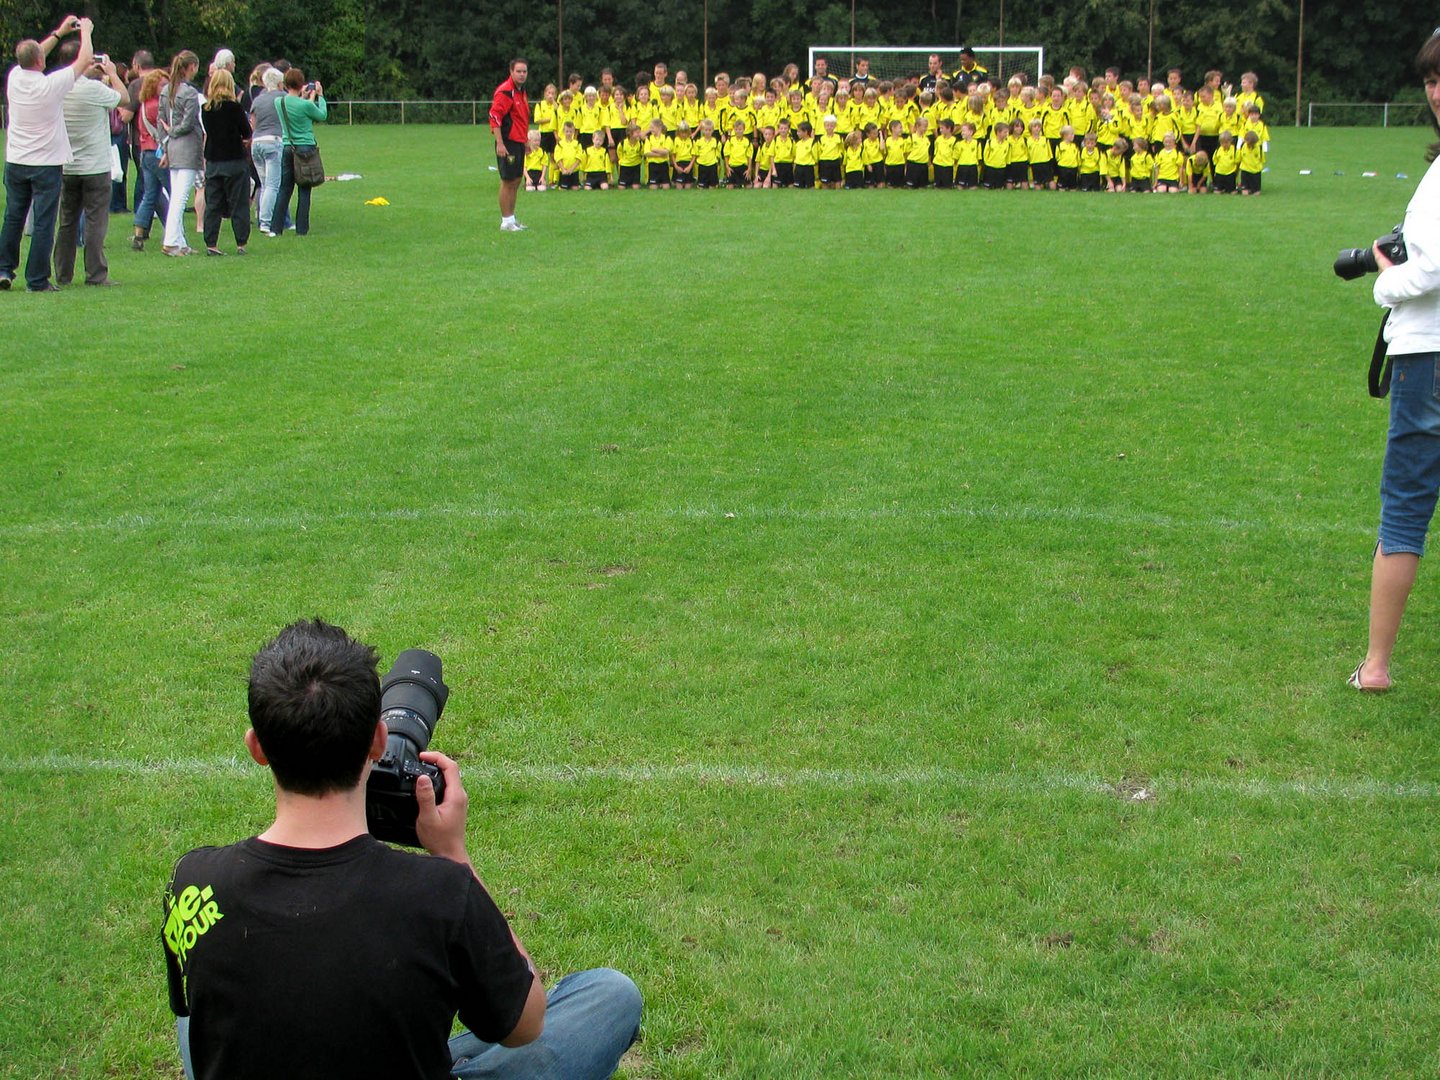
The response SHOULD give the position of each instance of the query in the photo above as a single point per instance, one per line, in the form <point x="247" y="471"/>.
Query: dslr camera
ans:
<point x="412" y="697"/>
<point x="1353" y="262"/>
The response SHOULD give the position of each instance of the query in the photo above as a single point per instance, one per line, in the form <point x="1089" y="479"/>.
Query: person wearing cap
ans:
<point x="36" y="150"/>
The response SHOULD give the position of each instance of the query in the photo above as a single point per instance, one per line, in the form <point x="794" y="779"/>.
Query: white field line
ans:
<point x="749" y="776"/>
<point x="1116" y="517"/>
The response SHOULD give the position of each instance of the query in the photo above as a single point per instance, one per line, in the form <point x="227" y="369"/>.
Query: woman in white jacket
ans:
<point x="184" y="146"/>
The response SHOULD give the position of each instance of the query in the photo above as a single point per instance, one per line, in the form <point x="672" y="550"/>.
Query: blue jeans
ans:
<point x="287" y="188"/>
<point x="266" y="156"/>
<point x="591" y="1018"/>
<point x="30" y="187"/>
<point x="1410" y="478"/>
<point x="156" y="183"/>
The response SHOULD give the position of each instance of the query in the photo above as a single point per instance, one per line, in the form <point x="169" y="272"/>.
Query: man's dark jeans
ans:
<point x="27" y="187"/>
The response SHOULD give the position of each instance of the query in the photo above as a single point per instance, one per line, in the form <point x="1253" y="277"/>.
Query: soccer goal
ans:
<point x="902" y="62"/>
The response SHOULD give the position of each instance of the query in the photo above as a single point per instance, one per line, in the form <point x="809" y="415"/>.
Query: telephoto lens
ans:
<point x="412" y="697"/>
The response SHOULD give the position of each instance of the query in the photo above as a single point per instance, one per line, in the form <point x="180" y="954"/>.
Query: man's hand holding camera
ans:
<point x="441" y="828"/>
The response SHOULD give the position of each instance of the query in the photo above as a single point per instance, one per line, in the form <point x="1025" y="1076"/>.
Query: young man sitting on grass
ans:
<point x="316" y="950"/>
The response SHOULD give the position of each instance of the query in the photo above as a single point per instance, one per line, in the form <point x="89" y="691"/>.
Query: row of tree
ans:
<point x="415" y="50"/>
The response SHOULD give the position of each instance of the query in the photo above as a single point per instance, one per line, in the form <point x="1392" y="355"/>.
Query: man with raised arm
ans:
<point x="510" y="124"/>
<point x="37" y="148"/>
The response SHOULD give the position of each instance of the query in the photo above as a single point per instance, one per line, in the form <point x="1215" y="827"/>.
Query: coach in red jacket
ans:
<point x="510" y="124"/>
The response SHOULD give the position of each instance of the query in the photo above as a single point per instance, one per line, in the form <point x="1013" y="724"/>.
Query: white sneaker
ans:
<point x="512" y="226"/>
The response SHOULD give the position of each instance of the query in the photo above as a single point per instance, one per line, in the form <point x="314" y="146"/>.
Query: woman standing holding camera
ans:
<point x="302" y="105"/>
<point x="1410" y="479"/>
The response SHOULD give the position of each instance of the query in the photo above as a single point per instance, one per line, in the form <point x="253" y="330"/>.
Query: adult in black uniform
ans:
<point x="315" y="950"/>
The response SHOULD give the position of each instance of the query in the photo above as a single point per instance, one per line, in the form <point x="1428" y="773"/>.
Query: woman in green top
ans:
<point x="301" y="106"/>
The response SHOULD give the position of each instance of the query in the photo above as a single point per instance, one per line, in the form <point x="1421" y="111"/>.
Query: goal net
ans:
<point x="912" y="61"/>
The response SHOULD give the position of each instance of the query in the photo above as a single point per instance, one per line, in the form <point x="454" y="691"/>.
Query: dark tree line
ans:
<point x="414" y="49"/>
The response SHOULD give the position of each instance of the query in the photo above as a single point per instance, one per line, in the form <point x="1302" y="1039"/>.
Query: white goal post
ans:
<point x="902" y="61"/>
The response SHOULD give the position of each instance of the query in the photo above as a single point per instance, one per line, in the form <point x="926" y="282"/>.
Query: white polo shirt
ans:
<point x="37" y="125"/>
<point x="87" y="120"/>
<point x="1411" y="290"/>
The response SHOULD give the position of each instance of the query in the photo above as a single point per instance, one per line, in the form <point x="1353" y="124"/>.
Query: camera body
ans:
<point x="412" y="697"/>
<point x="1353" y="262"/>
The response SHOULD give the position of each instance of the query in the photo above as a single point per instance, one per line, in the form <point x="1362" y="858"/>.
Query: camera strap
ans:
<point x="1380" y="362"/>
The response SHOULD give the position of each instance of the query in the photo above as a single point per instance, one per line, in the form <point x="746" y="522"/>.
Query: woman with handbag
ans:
<point x="184" y="139"/>
<point x="300" y="164"/>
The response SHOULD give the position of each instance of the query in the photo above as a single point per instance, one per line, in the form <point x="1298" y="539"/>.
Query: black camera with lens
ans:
<point x="1354" y="262"/>
<point x="412" y="697"/>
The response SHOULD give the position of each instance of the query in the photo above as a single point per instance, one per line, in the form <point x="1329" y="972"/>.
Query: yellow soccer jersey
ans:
<point x="1112" y="166"/>
<point x="535" y="160"/>
<point x="590" y="119"/>
<point x="1107" y="131"/>
<point x="1052" y="120"/>
<point x="1067" y="155"/>
<point x="669" y="116"/>
<point x="689" y="111"/>
<point x="1081" y="115"/>
<point x="854" y="159"/>
<point x="738" y="153"/>
<point x="564" y="116"/>
<point x="1188" y="119"/>
<point x="829" y="148"/>
<point x="1162" y="124"/>
<point x="1261" y="130"/>
<point x="1207" y="118"/>
<point x="867" y="114"/>
<point x="1224" y="161"/>
<point x="945" y="151"/>
<point x="683" y="149"/>
<point x="908" y="114"/>
<point x="997" y="154"/>
<point x="1135" y="127"/>
<point x="596" y="159"/>
<point x="1038" y="149"/>
<point x="1090" y="160"/>
<point x="1027" y="113"/>
<point x="967" y="152"/>
<point x="765" y="156"/>
<point x="1246" y="98"/>
<point x="767" y="116"/>
<point x="1017" y="149"/>
<point x="657" y="148"/>
<point x="918" y="151"/>
<point x="544" y="116"/>
<point x="1142" y="166"/>
<point x="897" y="149"/>
<point x="1168" y="165"/>
<point x="745" y="115"/>
<point x="707" y="150"/>
<point x="642" y="112"/>
<point x="872" y="151"/>
<point x="630" y="152"/>
<point x="784" y="150"/>
<point x="1252" y="158"/>
<point x="805" y="151"/>
<point x="715" y="114"/>
<point x="1232" y="122"/>
<point x="568" y="155"/>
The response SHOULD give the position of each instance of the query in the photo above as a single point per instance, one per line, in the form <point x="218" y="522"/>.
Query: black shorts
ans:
<point x="1142" y="185"/>
<point x="1210" y="143"/>
<point x="629" y="176"/>
<point x="917" y="174"/>
<point x="784" y="173"/>
<point x="617" y="136"/>
<point x="659" y="173"/>
<point x="1225" y="182"/>
<point x="993" y="179"/>
<point x="536" y="176"/>
<point x="683" y="179"/>
<point x="1089" y="181"/>
<point x="593" y="180"/>
<point x="1042" y="172"/>
<point x="967" y="176"/>
<point x="829" y="170"/>
<point x="547" y="142"/>
<point x="874" y="174"/>
<point x="738" y="176"/>
<point x="1167" y="185"/>
<point x="707" y="176"/>
<point x="1069" y="176"/>
<point x="805" y="176"/>
<point x="855" y="180"/>
<point x="1016" y="172"/>
<point x="895" y="175"/>
<point x="1249" y="181"/>
<point x="944" y="176"/>
<point x="569" y="181"/>
<point x="512" y="167"/>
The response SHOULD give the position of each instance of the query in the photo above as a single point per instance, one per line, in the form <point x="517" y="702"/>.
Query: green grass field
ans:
<point x="905" y="631"/>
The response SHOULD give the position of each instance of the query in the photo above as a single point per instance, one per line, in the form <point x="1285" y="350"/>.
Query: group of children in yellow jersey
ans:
<point x="1102" y="135"/>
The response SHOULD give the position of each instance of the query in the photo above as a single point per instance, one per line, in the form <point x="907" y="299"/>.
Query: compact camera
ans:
<point x="1354" y="262"/>
<point x="412" y="697"/>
